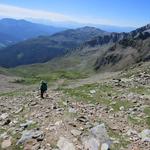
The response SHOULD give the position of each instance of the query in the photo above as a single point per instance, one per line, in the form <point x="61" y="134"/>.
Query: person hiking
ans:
<point x="43" y="88"/>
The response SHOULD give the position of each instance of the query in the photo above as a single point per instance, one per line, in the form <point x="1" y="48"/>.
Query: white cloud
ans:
<point x="18" y="12"/>
<point x="25" y="13"/>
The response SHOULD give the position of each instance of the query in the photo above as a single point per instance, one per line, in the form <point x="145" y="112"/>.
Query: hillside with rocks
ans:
<point x="105" y="111"/>
<point x="129" y="49"/>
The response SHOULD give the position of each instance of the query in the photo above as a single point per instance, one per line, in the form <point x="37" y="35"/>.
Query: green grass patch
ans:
<point x="123" y="142"/>
<point x="84" y="93"/>
<point x="147" y="119"/>
<point x="50" y="77"/>
<point x="2" y="130"/>
<point x="119" y="103"/>
<point x="13" y="93"/>
<point x="140" y="90"/>
<point x="70" y="114"/>
<point x="32" y="126"/>
<point x="103" y="95"/>
<point x="147" y="111"/>
<point x="135" y="120"/>
<point x="15" y="138"/>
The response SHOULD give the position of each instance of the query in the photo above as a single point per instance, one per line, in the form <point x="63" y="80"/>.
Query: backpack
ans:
<point x="44" y="86"/>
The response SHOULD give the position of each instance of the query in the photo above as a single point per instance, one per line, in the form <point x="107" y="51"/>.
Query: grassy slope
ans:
<point x="59" y="68"/>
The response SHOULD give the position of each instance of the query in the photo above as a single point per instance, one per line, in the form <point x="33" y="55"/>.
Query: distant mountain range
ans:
<point x="45" y="48"/>
<point x="12" y="31"/>
<point x="73" y="25"/>
<point x="93" y="47"/>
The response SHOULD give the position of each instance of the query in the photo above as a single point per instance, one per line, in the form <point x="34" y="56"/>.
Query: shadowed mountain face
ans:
<point x="44" y="48"/>
<point x="12" y="31"/>
<point x="129" y="49"/>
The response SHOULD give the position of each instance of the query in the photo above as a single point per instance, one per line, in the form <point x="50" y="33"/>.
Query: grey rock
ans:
<point x="6" y="143"/>
<point x="72" y="110"/>
<point x="27" y="135"/>
<point x="131" y="132"/>
<point x="4" y="116"/>
<point x="82" y="119"/>
<point x="100" y="133"/>
<point x="65" y="144"/>
<point x="76" y="132"/>
<point x="122" y="108"/>
<point x="34" y="103"/>
<point x="6" y="122"/>
<point x="4" y="135"/>
<point x="91" y="143"/>
<point x="19" y="110"/>
<point x="92" y="91"/>
<point x="145" y="135"/>
<point x="105" y="146"/>
<point x="97" y="136"/>
<point x="28" y="122"/>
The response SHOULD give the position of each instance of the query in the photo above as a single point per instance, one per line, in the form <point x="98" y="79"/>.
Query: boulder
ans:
<point x="65" y="144"/>
<point x="27" y="135"/>
<point x="6" y="143"/>
<point x="4" y="116"/>
<point x="145" y="135"/>
<point x="91" y="143"/>
<point x="76" y="132"/>
<point x="100" y="133"/>
<point x="96" y="137"/>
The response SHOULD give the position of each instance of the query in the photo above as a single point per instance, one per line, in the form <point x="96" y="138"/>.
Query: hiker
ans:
<point x="43" y="88"/>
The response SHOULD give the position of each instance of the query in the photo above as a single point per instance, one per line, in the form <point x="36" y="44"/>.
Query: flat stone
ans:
<point x="100" y="133"/>
<point x="91" y="143"/>
<point x="131" y="132"/>
<point x="92" y="91"/>
<point x="72" y="110"/>
<point x="76" y="132"/>
<point x="28" y="122"/>
<point x="97" y="136"/>
<point x="59" y="123"/>
<point x="34" y="103"/>
<point x="27" y="135"/>
<point x="4" y="135"/>
<point x="4" y="116"/>
<point x="105" y="146"/>
<point x="7" y="122"/>
<point x="145" y="135"/>
<point x="19" y="110"/>
<point x="6" y="143"/>
<point x="122" y="108"/>
<point x="65" y="144"/>
<point x="82" y="119"/>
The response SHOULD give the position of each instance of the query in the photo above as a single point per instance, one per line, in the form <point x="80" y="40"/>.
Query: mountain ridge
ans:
<point x="19" y="30"/>
<point x="44" y="48"/>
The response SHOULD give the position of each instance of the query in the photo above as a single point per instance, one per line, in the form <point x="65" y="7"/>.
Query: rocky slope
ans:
<point x="129" y="49"/>
<point x="112" y="112"/>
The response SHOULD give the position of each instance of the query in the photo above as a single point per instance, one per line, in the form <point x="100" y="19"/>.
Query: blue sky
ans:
<point x="111" y="12"/>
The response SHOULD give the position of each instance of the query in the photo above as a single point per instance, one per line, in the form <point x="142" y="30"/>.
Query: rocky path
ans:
<point x="62" y="122"/>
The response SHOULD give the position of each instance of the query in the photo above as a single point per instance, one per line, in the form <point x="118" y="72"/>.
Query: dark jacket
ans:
<point x="43" y="86"/>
